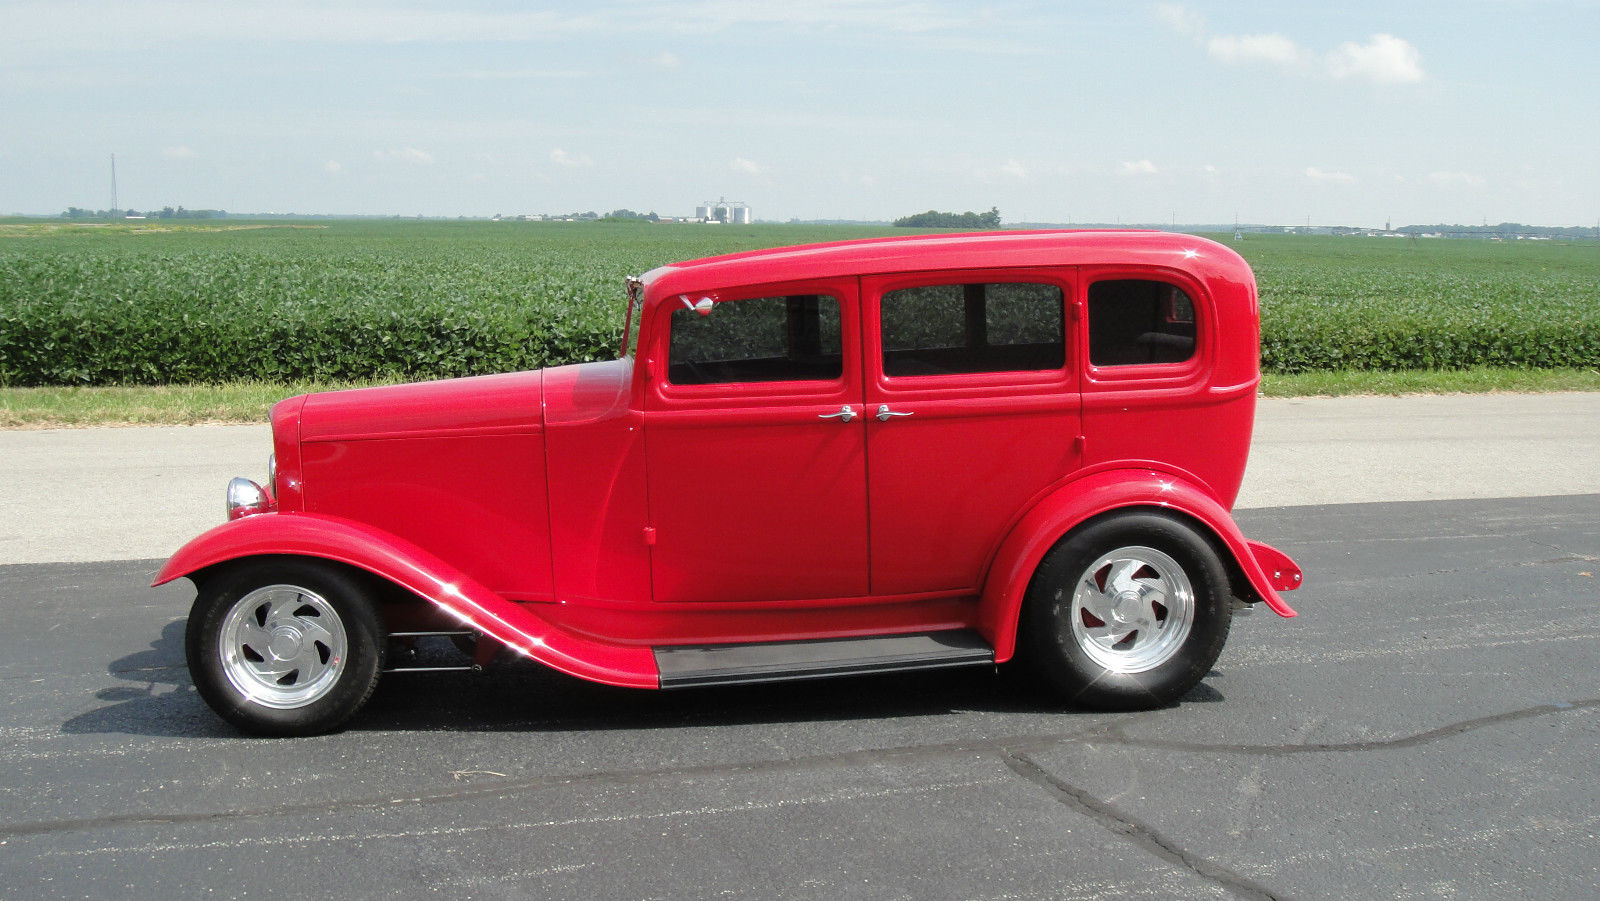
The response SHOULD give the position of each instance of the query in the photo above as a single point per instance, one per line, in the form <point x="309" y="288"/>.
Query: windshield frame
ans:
<point x="635" y="294"/>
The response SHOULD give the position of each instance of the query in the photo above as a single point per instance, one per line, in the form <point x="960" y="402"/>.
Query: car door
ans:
<point x="972" y="414"/>
<point x="755" y="445"/>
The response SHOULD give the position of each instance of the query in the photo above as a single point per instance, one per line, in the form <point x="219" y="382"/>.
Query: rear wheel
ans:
<point x="284" y="646"/>
<point x="1128" y="612"/>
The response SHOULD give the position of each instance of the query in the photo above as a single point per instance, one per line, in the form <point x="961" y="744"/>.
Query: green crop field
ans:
<point x="1400" y="304"/>
<point x="342" y="300"/>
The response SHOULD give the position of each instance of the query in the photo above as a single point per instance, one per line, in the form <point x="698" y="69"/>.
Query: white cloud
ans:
<point x="1181" y="19"/>
<point x="408" y="155"/>
<point x="573" y="160"/>
<point x="667" y="60"/>
<point x="1384" y="59"/>
<point x="1456" y="179"/>
<point x="1340" y="178"/>
<point x="1137" y="167"/>
<point x="746" y="167"/>
<point x="1011" y="170"/>
<point x="332" y="167"/>
<point x="179" y="153"/>
<point x="1240" y="49"/>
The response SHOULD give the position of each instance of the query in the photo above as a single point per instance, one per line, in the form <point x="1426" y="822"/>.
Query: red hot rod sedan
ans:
<point x="859" y="457"/>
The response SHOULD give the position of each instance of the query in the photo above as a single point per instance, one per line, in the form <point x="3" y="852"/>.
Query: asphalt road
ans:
<point x="1426" y="728"/>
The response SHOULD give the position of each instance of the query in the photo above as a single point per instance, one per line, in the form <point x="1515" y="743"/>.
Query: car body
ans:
<point x="813" y="461"/>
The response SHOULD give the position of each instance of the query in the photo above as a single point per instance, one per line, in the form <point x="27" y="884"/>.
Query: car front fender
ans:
<point x="1104" y="492"/>
<point x="405" y="564"/>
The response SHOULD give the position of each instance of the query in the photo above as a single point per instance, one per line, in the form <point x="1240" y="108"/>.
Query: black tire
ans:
<point x="1138" y="643"/>
<point x="284" y="646"/>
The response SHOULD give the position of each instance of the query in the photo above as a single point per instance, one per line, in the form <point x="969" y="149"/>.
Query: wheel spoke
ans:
<point x="1121" y="576"/>
<point x="309" y="663"/>
<point x="283" y="607"/>
<point x="1148" y="599"/>
<point x="1098" y="605"/>
<point x="274" y="669"/>
<point x="1107" y="634"/>
<point x="313" y="630"/>
<point x="254" y="637"/>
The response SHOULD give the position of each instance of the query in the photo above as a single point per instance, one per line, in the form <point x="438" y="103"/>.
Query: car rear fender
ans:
<point x="405" y="564"/>
<point x="1266" y="569"/>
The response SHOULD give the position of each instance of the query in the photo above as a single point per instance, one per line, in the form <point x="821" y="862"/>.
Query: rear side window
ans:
<point x="1139" y="321"/>
<point x="984" y="327"/>
<point x="760" y="339"/>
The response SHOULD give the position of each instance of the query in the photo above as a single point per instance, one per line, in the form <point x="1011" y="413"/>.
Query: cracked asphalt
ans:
<point x="1427" y="728"/>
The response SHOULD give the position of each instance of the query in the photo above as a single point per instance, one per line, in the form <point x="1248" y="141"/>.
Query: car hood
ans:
<point x="481" y="405"/>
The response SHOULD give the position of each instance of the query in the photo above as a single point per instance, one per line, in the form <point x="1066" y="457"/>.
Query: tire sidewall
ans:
<point x="1055" y="652"/>
<point x="217" y="594"/>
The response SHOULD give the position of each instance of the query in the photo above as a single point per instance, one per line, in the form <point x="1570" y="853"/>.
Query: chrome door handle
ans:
<point x="884" y="413"/>
<point x="845" y="414"/>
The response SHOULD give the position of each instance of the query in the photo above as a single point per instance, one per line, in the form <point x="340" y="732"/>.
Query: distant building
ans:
<point x="735" y="212"/>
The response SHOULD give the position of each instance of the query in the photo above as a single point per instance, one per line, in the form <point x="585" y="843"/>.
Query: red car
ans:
<point x="859" y="457"/>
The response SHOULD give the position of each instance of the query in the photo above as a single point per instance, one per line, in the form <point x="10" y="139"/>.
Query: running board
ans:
<point x="782" y="661"/>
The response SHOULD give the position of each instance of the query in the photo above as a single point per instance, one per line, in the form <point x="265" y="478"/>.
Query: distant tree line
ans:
<point x="630" y="214"/>
<point x="936" y="219"/>
<point x="166" y="212"/>
<point x="1504" y="230"/>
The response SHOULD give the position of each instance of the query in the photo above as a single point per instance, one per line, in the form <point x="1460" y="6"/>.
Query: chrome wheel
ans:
<point x="1128" y="611"/>
<point x="1132" y="609"/>
<point x="283" y="646"/>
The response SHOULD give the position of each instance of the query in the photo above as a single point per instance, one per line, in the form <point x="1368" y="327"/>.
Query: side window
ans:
<point x="762" y="339"/>
<point x="1138" y="321"/>
<point x="995" y="327"/>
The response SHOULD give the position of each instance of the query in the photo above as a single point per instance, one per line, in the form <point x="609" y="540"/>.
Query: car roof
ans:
<point x="1200" y="257"/>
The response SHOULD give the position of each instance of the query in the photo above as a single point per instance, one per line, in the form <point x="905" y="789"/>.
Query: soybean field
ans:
<point x="352" y="300"/>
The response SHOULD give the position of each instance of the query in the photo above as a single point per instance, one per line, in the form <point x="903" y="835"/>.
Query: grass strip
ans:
<point x="248" y="402"/>
<point x="140" y="405"/>
<point x="1476" y="380"/>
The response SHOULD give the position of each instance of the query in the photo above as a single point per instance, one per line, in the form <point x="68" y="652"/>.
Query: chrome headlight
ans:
<point x="246" y="498"/>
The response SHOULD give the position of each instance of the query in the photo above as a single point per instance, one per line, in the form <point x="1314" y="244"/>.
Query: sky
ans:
<point x="1358" y="113"/>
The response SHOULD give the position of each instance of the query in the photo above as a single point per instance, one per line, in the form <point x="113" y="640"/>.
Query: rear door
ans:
<point x="972" y="410"/>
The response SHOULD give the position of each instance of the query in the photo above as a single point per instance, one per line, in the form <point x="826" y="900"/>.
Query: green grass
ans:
<point x="77" y="407"/>
<point x="1477" y="380"/>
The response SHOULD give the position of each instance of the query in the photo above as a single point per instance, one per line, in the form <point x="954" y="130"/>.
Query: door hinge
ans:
<point x="650" y="535"/>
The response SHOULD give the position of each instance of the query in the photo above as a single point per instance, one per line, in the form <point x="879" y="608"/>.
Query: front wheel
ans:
<point x="284" y="647"/>
<point x="1128" y="612"/>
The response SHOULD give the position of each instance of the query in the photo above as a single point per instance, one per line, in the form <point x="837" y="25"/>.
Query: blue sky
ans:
<point x="1353" y="114"/>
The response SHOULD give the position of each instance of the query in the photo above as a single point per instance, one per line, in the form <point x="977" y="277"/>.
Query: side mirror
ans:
<point x="702" y="306"/>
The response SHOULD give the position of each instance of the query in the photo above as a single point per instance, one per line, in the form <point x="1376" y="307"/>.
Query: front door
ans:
<point x="755" y="446"/>
<point x="973" y="411"/>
